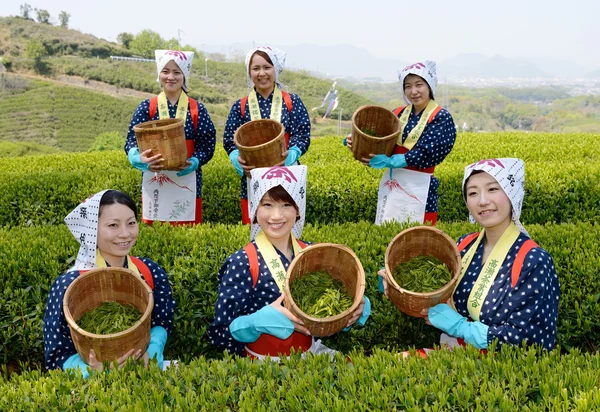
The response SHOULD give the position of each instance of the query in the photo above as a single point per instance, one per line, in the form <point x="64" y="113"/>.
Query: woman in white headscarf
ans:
<point x="427" y="136"/>
<point x="267" y="100"/>
<point x="174" y="196"/>
<point x="508" y="288"/>
<point x="249" y="317"/>
<point x="105" y="225"/>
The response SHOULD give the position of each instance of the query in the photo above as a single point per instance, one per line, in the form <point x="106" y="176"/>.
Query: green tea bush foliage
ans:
<point x="515" y="379"/>
<point x="33" y="257"/>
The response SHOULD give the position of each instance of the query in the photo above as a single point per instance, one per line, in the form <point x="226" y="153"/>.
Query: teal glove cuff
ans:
<point x="233" y="157"/>
<point x="293" y="155"/>
<point x="191" y="168"/>
<point x="380" y="161"/>
<point x="475" y="333"/>
<point x="448" y="320"/>
<point x="344" y="142"/>
<point x="158" y="340"/>
<point x="134" y="158"/>
<point x="266" y="320"/>
<point x="398" y="161"/>
<point x="380" y="283"/>
<point x="366" y="312"/>
<point x="75" y="362"/>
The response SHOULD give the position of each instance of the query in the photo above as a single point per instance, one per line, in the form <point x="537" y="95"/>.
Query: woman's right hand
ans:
<point x="298" y="324"/>
<point x="95" y="364"/>
<point x="245" y="166"/>
<point x="349" y="141"/>
<point x="154" y="162"/>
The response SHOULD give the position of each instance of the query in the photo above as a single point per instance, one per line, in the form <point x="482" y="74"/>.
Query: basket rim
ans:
<point x="373" y="138"/>
<point x="390" y="278"/>
<point x="171" y="124"/>
<point x="262" y="145"/>
<point x="76" y="328"/>
<point x="360" y="286"/>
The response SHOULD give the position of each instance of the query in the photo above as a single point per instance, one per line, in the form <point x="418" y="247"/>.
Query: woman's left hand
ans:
<point x="357" y="314"/>
<point x="183" y="166"/>
<point x="425" y="314"/>
<point x="367" y="160"/>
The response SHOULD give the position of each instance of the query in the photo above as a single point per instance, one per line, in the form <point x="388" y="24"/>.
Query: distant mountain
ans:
<point x="478" y="65"/>
<point x="557" y="67"/>
<point x="593" y="74"/>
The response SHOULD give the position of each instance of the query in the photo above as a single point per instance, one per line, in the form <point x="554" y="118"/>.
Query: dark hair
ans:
<point x="110" y="197"/>
<point x="279" y="194"/>
<point x="261" y="54"/>
<point x="428" y="86"/>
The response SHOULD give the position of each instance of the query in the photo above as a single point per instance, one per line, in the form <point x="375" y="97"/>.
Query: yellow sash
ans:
<point x="490" y="269"/>
<point x="272" y="259"/>
<point x="275" y="105"/>
<point x="182" y="107"/>
<point x="101" y="263"/>
<point x="415" y="134"/>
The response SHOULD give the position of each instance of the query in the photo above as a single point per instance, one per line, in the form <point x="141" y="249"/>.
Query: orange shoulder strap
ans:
<point x="288" y="100"/>
<point x="153" y="106"/>
<point x="434" y="113"/>
<point x="250" y="250"/>
<point x="398" y="110"/>
<point x="193" y="104"/>
<point x="144" y="270"/>
<point x="467" y="241"/>
<point x="302" y="244"/>
<point x="243" y="101"/>
<point x="520" y="259"/>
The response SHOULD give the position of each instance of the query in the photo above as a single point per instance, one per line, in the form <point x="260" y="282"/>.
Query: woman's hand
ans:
<point x="356" y="314"/>
<point x="154" y="162"/>
<point x="95" y="364"/>
<point x="367" y="160"/>
<point x="298" y="324"/>
<point x="425" y="314"/>
<point x="247" y="168"/>
<point x="349" y="141"/>
<point x="183" y="166"/>
<point x="383" y="276"/>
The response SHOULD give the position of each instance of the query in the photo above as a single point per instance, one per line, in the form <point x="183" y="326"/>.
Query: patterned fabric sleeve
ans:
<point x="141" y="114"/>
<point x="532" y="304"/>
<point x="234" y="121"/>
<point x="234" y="299"/>
<point x="205" y="137"/>
<point x="435" y="143"/>
<point x="164" y="304"/>
<point x="299" y="127"/>
<point x="58" y="345"/>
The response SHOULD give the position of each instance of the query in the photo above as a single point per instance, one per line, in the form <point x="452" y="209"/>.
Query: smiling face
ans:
<point x="171" y="77"/>
<point x="117" y="232"/>
<point x="262" y="74"/>
<point x="487" y="202"/>
<point x="276" y="218"/>
<point x="417" y="91"/>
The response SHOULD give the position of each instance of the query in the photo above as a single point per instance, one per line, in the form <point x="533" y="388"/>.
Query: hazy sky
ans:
<point x="408" y="30"/>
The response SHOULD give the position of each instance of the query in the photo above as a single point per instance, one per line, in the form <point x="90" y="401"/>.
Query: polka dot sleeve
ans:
<point x="164" y="304"/>
<point x="140" y="115"/>
<point x="298" y="125"/>
<point x="205" y="136"/>
<point x="234" y="121"/>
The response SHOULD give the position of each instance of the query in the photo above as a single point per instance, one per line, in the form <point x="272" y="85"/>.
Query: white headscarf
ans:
<point x="426" y="70"/>
<point x="510" y="175"/>
<point x="183" y="59"/>
<point x="83" y="224"/>
<point x="277" y="57"/>
<point x="292" y="179"/>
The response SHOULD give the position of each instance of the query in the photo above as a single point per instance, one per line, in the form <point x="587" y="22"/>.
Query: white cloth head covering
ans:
<point x="426" y="70"/>
<point x="292" y="179"/>
<point x="83" y="224"/>
<point x="510" y="175"/>
<point x="277" y="57"/>
<point x="183" y="59"/>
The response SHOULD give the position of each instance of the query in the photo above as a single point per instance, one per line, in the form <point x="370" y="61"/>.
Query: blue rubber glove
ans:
<point x="191" y="168"/>
<point x="134" y="158"/>
<point x="366" y="312"/>
<point x="448" y="320"/>
<point x="158" y="340"/>
<point x="380" y="283"/>
<point x="382" y="161"/>
<point x="233" y="157"/>
<point x="293" y="155"/>
<point x="268" y="320"/>
<point x="344" y="142"/>
<point x="75" y="362"/>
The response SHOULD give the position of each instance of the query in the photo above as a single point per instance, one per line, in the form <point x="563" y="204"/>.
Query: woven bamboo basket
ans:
<point x="88" y="291"/>
<point x="165" y="136"/>
<point x="413" y="242"/>
<point x="261" y="143"/>
<point x="381" y="121"/>
<point x="343" y="265"/>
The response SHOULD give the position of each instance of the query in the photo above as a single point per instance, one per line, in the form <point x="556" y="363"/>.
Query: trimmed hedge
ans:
<point x="33" y="257"/>
<point x="561" y="185"/>
<point x="514" y="379"/>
